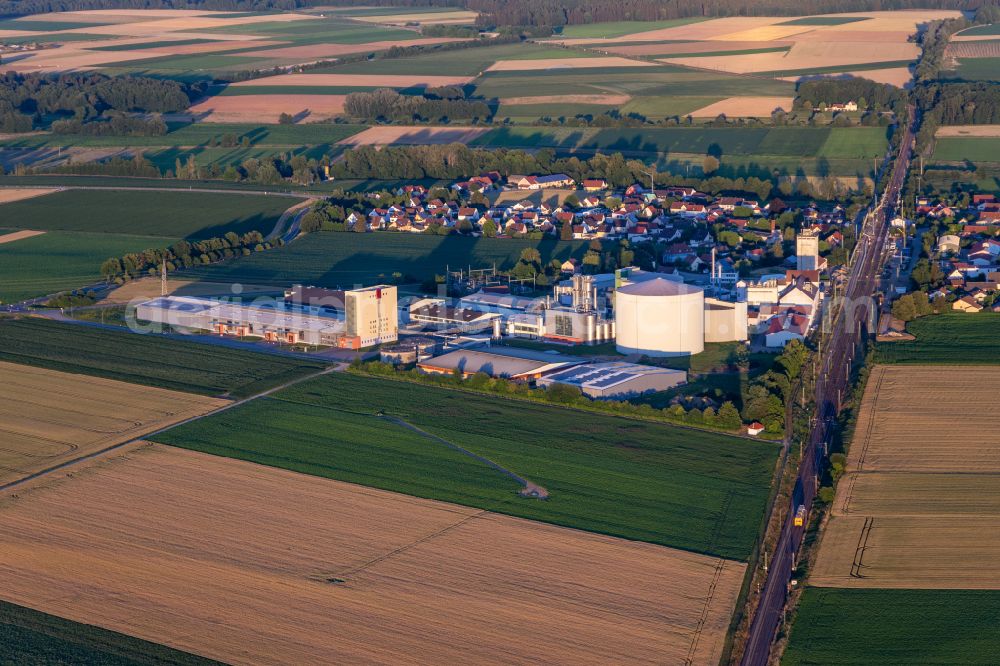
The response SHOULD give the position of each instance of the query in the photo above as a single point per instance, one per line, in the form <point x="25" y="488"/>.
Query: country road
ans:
<point x="851" y="316"/>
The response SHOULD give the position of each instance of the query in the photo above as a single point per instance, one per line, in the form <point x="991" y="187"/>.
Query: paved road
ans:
<point x="851" y="318"/>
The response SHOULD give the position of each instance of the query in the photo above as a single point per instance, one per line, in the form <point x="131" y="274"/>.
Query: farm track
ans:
<point x="531" y="489"/>
<point x="133" y="440"/>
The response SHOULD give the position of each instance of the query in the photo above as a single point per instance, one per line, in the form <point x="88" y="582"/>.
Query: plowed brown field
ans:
<point x="919" y="506"/>
<point x="257" y="565"/>
<point x="48" y="417"/>
<point x="19" y="235"/>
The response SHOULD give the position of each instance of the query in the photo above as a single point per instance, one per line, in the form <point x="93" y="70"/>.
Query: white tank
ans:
<point x="660" y="317"/>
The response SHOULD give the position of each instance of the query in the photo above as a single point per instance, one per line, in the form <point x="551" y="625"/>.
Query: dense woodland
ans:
<point x="26" y="99"/>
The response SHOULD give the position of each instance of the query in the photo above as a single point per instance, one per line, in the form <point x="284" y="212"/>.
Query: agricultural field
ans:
<point x="913" y="627"/>
<point x="193" y="45"/>
<point x="978" y="69"/>
<point x="171" y="215"/>
<point x="60" y="260"/>
<point x="32" y="637"/>
<point x="917" y="506"/>
<point x="952" y="338"/>
<point x="49" y="417"/>
<point x="644" y="481"/>
<point x="153" y="543"/>
<point x="330" y="259"/>
<point x="961" y="149"/>
<point x="149" y="360"/>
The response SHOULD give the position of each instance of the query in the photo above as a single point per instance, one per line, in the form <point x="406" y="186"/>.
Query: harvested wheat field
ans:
<point x="918" y="506"/>
<point x="896" y="76"/>
<point x="257" y="565"/>
<point x="565" y="63"/>
<point x="803" y="55"/>
<point x="19" y="235"/>
<point x="968" y="131"/>
<point x="144" y="289"/>
<point x="372" y="80"/>
<point x="400" y="134"/>
<point x="978" y="49"/>
<point x="744" y="106"/>
<point x="47" y="417"/>
<point x="266" y="108"/>
<point x="670" y="48"/>
<point x="7" y="195"/>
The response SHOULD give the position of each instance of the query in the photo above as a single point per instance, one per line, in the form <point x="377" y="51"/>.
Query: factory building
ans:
<point x="725" y="321"/>
<point x="578" y="316"/>
<point x="369" y="318"/>
<point x="616" y="380"/>
<point x="273" y="321"/>
<point x="660" y="317"/>
<point x="518" y="365"/>
<point x="370" y="315"/>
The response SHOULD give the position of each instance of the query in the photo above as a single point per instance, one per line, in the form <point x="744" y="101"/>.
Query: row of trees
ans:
<point x="726" y="418"/>
<point x="571" y="12"/>
<point x="183" y="254"/>
<point x="113" y="124"/>
<point x="386" y="104"/>
<point x="867" y="94"/>
<point x="766" y="399"/>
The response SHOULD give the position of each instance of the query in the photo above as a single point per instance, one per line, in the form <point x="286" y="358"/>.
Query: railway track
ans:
<point x="850" y="319"/>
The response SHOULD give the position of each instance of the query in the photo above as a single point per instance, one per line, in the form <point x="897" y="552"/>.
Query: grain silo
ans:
<point x="660" y="317"/>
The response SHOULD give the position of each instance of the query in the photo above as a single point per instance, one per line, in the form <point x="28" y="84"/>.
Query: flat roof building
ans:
<point x="616" y="379"/>
<point x="515" y="365"/>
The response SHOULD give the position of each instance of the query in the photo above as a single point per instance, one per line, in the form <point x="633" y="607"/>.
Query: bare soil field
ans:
<point x="376" y="80"/>
<point x="568" y="99"/>
<point x="8" y="195"/>
<point x="968" y="131"/>
<point x="47" y="417"/>
<point x="684" y="47"/>
<point x="313" y="51"/>
<point x="896" y="76"/>
<point x="266" y="108"/>
<point x="744" y="106"/>
<point x="918" y="506"/>
<point x="144" y="289"/>
<point x="400" y="134"/>
<point x="804" y="55"/>
<point x="19" y="235"/>
<point x="565" y="63"/>
<point x="257" y="565"/>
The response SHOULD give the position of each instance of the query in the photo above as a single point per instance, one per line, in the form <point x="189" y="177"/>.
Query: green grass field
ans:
<point x="825" y="20"/>
<point x="837" y="69"/>
<point x="152" y="45"/>
<point x="332" y="259"/>
<point x="978" y="69"/>
<point x="28" y="636"/>
<point x="959" y="149"/>
<point x="787" y="141"/>
<point x="952" y="338"/>
<point x="198" y="134"/>
<point x="639" y="480"/>
<point x="60" y="261"/>
<point x="170" y="215"/>
<point x="910" y="627"/>
<point x="981" y="30"/>
<point x="151" y="360"/>
<point x="467" y="62"/>
<point x="620" y="28"/>
<point x="666" y="106"/>
<point x="45" y="26"/>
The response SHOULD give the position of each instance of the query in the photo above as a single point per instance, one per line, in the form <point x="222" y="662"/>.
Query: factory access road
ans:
<point x="851" y="315"/>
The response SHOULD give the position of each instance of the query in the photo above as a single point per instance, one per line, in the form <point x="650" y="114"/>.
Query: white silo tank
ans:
<point x="660" y="317"/>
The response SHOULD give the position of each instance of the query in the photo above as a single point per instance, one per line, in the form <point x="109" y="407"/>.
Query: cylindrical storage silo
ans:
<point x="660" y="317"/>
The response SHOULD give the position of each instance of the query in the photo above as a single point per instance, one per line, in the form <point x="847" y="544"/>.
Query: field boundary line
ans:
<point x="859" y="552"/>
<point x="703" y="618"/>
<point x="870" y="426"/>
<point x="146" y="436"/>
<point x="424" y="539"/>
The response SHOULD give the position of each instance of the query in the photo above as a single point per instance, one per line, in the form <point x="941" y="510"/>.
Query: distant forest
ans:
<point x="553" y="13"/>
<point x="27" y="98"/>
